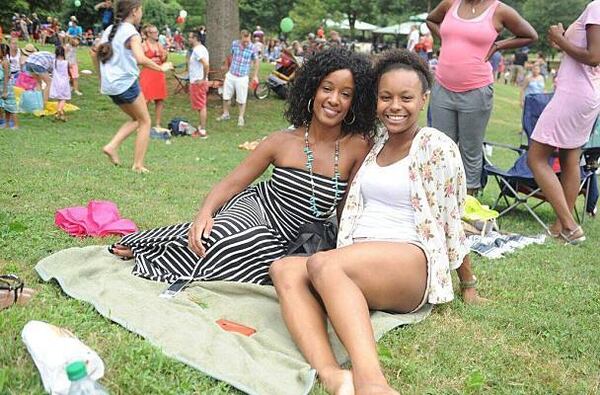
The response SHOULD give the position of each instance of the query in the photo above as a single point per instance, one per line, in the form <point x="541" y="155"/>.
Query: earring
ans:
<point x="309" y="106"/>
<point x="353" y="119"/>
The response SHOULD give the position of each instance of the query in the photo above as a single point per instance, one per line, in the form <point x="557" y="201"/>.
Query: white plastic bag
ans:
<point x="52" y="349"/>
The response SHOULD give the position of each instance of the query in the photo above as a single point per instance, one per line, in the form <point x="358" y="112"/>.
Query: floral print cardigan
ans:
<point x="437" y="190"/>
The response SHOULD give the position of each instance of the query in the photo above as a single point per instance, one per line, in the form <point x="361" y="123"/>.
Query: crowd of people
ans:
<point x="356" y="151"/>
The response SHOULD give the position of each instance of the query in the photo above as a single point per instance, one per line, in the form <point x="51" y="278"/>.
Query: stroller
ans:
<point x="285" y="71"/>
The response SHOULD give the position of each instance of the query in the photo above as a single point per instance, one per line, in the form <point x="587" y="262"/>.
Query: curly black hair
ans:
<point x="318" y="66"/>
<point x="406" y="60"/>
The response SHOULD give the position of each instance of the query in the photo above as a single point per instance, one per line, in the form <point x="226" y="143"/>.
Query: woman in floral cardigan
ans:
<point x="400" y="236"/>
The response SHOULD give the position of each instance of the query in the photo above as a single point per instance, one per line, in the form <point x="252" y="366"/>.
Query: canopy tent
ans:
<point x="405" y="27"/>
<point x="345" y="25"/>
<point x="419" y="17"/>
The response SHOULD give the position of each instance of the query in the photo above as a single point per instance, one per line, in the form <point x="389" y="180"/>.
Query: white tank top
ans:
<point x="387" y="211"/>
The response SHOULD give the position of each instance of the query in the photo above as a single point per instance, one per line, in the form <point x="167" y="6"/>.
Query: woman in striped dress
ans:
<point x="241" y="229"/>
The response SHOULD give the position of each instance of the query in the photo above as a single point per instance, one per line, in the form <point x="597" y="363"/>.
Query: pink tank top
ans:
<point x="465" y="43"/>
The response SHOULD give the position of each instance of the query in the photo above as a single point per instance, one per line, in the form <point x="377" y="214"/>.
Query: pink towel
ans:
<point x="99" y="218"/>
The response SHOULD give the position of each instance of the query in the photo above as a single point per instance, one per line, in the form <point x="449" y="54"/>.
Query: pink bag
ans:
<point x="25" y="81"/>
<point x="99" y="218"/>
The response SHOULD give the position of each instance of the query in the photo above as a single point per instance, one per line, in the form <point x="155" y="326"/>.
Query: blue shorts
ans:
<point x="128" y="96"/>
<point x="35" y="68"/>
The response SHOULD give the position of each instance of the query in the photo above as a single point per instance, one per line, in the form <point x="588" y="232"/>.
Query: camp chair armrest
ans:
<point x="519" y="150"/>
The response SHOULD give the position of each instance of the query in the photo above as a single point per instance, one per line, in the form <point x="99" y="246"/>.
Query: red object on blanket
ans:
<point x="99" y="218"/>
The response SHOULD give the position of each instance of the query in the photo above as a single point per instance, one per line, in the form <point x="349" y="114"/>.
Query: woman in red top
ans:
<point x="154" y="83"/>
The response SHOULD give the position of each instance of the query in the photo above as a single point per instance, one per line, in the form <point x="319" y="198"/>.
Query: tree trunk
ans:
<point x="222" y="27"/>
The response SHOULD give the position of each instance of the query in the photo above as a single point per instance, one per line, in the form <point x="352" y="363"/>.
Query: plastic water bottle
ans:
<point x="81" y="383"/>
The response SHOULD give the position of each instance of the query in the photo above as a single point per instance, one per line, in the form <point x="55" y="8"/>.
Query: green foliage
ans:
<point x="161" y="13"/>
<point x="307" y="16"/>
<point x="265" y="13"/>
<point x="542" y="14"/>
<point x="539" y="335"/>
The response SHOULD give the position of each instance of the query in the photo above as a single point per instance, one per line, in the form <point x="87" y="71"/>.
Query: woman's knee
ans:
<point x="287" y="275"/>
<point x="320" y="268"/>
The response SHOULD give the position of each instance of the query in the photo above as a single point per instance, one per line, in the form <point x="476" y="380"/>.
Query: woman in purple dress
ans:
<point x="568" y="119"/>
<point x="59" y="88"/>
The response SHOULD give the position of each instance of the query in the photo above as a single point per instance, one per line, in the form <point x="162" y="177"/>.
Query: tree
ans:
<point x="265" y="13"/>
<point x="222" y="27"/>
<point x="542" y="14"/>
<point x="307" y="16"/>
<point x="353" y="10"/>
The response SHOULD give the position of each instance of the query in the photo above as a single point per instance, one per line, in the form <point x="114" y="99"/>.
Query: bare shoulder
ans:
<point x="357" y="145"/>
<point x="506" y="11"/>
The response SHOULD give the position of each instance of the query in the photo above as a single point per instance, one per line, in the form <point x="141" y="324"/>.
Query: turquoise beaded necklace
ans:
<point x="336" y="176"/>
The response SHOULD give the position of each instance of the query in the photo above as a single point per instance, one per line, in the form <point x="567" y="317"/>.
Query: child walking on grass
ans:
<point x="8" y="104"/>
<point x="71" y="55"/>
<point x="59" y="88"/>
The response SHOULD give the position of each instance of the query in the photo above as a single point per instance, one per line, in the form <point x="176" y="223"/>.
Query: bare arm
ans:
<point x="364" y="146"/>
<point x="206" y="68"/>
<point x="243" y="175"/>
<point x="95" y="62"/>
<point x="590" y="55"/>
<point x="524" y="33"/>
<point x="135" y="43"/>
<point x="100" y="5"/>
<point x="256" y="68"/>
<point x="435" y="18"/>
<point x="6" y="67"/>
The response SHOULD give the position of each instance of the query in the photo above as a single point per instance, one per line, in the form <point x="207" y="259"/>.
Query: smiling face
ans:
<point x="333" y="98"/>
<point x="400" y="98"/>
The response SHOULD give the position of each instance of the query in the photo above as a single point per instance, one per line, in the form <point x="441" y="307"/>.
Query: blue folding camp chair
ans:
<point x="517" y="184"/>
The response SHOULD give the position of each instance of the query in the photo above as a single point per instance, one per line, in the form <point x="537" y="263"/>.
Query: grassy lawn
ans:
<point x="539" y="335"/>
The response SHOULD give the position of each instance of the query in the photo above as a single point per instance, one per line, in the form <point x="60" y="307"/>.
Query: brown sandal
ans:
<point x="574" y="237"/>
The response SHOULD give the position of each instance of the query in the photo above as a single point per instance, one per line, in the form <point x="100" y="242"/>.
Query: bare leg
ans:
<point x="112" y="148"/>
<point x="242" y="110"/>
<point x="226" y="105"/>
<point x="363" y="276"/>
<point x="75" y="84"/>
<point x="548" y="181"/>
<point x="305" y="318"/>
<point x="203" y="116"/>
<point x="46" y="90"/>
<point x="159" y="105"/>
<point x="138" y="111"/>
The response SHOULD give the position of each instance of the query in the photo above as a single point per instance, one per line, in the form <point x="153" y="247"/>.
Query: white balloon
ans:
<point x="183" y="13"/>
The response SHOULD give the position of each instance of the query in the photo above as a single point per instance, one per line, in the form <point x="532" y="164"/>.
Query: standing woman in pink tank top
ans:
<point x="462" y="98"/>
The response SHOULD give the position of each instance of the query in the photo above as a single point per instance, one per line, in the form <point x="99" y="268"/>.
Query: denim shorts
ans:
<point x="128" y="96"/>
<point x="35" y="68"/>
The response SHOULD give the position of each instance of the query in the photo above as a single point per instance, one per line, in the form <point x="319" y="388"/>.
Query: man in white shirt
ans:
<point x="198" y="70"/>
<point x="413" y="38"/>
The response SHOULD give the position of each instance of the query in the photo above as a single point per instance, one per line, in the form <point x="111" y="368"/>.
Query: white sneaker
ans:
<point x="202" y="133"/>
<point x="78" y="93"/>
<point x="241" y="122"/>
<point x="223" y="117"/>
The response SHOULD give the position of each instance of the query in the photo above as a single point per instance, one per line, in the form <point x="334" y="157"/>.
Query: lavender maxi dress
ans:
<point x="568" y="119"/>
<point x="60" y="88"/>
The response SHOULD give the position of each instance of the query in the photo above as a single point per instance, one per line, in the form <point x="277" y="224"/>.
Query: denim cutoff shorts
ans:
<point x="128" y="96"/>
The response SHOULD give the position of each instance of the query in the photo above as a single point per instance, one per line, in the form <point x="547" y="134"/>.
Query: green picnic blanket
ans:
<point x="184" y="327"/>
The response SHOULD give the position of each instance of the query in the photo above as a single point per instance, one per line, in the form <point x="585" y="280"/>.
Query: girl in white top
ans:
<point x="117" y="58"/>
<point x="399" y="236"/>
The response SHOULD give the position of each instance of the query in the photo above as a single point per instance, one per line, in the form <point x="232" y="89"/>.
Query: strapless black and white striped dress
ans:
<point x="250" y="231"/>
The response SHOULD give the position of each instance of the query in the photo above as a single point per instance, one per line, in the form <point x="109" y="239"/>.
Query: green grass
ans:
<point x="539" y="335"/>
